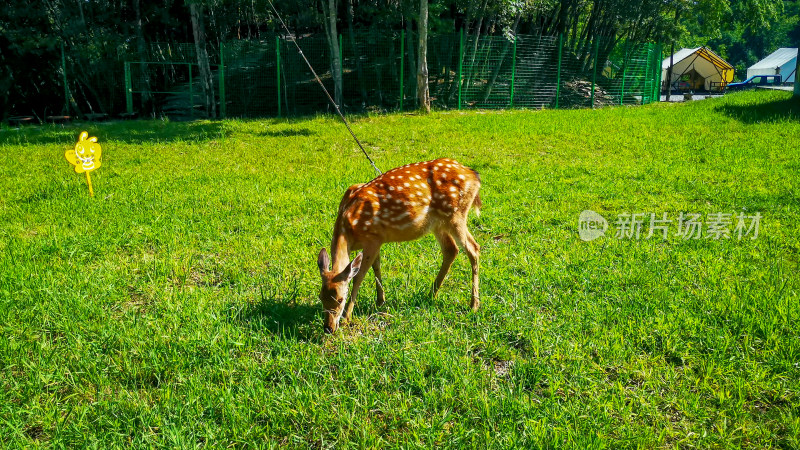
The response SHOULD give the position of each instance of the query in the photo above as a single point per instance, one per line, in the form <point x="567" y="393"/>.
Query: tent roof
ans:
<point x="704" y="52"/>
<point x="678" y="56"/>
<point x="778" y="58"/>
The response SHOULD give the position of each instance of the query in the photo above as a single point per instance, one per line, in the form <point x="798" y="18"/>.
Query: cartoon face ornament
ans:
<point x="86" y="154"/>
<point x="85" y="157"/>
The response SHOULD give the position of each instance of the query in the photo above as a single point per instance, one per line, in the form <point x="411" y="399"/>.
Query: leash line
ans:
<point x="335" y="106"/>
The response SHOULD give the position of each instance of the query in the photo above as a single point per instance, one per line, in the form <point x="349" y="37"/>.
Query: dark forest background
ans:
<point x="32" y="33"/>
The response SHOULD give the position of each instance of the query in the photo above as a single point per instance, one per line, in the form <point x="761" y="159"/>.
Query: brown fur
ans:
<point x="402" y="204"/>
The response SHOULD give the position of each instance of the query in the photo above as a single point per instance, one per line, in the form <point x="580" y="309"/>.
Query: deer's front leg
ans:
<point x="370" y="254"/>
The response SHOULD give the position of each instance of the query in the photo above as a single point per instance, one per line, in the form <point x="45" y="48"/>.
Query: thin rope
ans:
<point x="289" y="33"/>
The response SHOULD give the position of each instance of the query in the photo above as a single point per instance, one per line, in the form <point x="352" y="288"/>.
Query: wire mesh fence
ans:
<point x="269" y="78"/>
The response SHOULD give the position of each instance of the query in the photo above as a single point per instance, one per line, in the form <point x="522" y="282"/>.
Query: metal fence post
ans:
<point x="594" y="67"/>
<point x="460" y="65"/>
<point x="222" y="80"/>
<point x="513" y="71"/>
<point x="558" y="69"/>
<point x="128" y="89"/>
<point x="278" y="71"/>
<point x="658" y="67"/>
<point x="402" y="71"/>
<point x="64" y="74"/>
<point x="651" y="70"/>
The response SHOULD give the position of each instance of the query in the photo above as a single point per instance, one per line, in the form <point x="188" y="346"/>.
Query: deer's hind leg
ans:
<point x="449" y="252"/>
<point x="464" y="239"/>
<point x="376" y="268"/>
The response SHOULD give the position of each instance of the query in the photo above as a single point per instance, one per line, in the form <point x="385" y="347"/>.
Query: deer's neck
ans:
<point x="340" y="251"/>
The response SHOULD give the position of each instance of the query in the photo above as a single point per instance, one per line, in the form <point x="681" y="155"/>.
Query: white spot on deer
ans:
<point x="453" y="189"/>
<point x="388" y="195"/>
<point x="391" y="177"/>
<point x="419" y="193"/>
<point x="355" y="222"/>
<point x="461" y="176"/>
<point x="406" y="185"/>
<point x="391" y="188"/>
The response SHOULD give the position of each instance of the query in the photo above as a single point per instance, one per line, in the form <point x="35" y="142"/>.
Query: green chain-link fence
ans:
<point x="268" y="77"/>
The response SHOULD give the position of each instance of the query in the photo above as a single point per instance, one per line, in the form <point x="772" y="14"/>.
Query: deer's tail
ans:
<point x="476" y="204"/>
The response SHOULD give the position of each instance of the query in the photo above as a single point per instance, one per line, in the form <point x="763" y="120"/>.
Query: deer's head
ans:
<point x="333" y="294"/>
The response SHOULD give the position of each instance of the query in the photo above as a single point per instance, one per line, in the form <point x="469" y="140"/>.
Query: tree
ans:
<point x="206" y="79"/>
<point x="423" y="91"/>
<point x="796" y="77"/>
<point x="329" y="23"/>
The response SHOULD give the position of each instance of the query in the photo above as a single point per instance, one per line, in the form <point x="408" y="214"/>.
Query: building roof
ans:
<point x="778" y="58"/>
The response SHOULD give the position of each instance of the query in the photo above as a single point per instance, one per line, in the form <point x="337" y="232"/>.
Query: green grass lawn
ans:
<point x="179" y="306"/>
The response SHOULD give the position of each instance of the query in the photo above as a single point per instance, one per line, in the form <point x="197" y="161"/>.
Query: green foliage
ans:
<point x="178" y="307"/>
<point x="743" y="32"/>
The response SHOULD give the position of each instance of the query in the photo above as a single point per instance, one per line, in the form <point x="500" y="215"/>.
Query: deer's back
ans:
<point x="408" y="202"/>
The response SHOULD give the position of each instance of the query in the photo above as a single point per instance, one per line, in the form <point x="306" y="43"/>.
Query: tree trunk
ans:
<point x="412" y="60"/>
<point x="356" y="55"/>
<point x="797" y="78"/>
<point x="206" y="80"/>
<point x="423" y="92"/>
<point x="333" y="46"/>
<point x="142" y="54"/>
<point x="474" y="54"/>
<point x="506" y="45"/>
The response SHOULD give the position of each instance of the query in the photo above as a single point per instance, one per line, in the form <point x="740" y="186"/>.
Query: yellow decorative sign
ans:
<point x="85" y="157"/>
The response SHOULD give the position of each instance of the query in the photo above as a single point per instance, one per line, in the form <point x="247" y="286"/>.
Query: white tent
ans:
<point x="782" y="61"/>
<point x="697" y="68"/>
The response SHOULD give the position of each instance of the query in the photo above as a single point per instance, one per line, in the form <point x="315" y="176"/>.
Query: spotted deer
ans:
<point x="402" y="204"/>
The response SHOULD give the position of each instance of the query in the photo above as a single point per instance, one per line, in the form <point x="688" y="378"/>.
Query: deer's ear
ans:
<point x="352" y="269"/>
<point x="323" y="261"/>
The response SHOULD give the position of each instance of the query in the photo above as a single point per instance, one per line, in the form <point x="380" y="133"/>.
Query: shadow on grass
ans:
<point x="282" y="317"/>
<point x="287" y="133"/>
<point x="131" y="132"/>
<point x="774" y="111"/>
